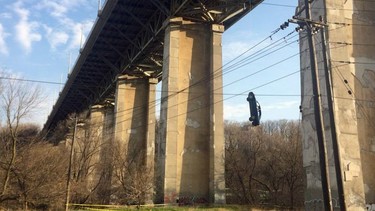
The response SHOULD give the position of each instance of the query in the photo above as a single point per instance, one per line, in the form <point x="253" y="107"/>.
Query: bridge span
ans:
<point x="128" y="38"/>
<point x="136" y="44"/>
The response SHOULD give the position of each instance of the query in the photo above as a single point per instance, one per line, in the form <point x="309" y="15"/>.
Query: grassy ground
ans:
<point x="177" y="208"/>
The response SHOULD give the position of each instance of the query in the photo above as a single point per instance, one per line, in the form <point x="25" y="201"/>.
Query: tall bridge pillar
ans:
<point x="101" y="126"/>
<point x="191" y="119"/>
<point x="135" y="128"/>
<point x="351" y="50"/>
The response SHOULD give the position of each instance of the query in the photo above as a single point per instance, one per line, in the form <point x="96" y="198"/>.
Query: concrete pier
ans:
<point x="101" y="126"/>
<point x="135" y="123"/>
<point x="351" y="53"/>
<point x="191" y="120"/>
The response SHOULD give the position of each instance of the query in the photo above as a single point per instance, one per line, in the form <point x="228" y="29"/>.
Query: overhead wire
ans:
<point x="207" y="78"/>
<point x="233" y="66"/>
<point x="241" y="61"/>
<point x="319" y="8"/>
<point x="233" y="82"/>
<point x="266" y="84"/>
<point x="256" y="53"/>
<point x="350" y="90"/>
<point x="201" y="107"/>
<point x="138" y="110"/>
<point x="235" y="95"/>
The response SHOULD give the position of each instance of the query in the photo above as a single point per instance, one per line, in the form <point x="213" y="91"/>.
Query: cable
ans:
<point x="226" y="64"/>
<point x="29" y="80"/>
<point x="215" y="71"/>
<point x="251" y="74"/>
<point x="350" y="24"/>
<point x="351" y="44"/>
<point x="350" y="90"/>
<point x="204" y="106"/>
<point x="270" y="82"/>
<point x="189" y="99"/>
<point x="352" y="93"/>
<point x="319" y="8"/>
<point x="202" y="80"/>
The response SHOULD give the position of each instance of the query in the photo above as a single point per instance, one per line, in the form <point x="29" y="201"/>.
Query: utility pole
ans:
<point x="311" y="28"/>
<point x="70" y="165"/>
<point x="335" y="147"/>
<point x="318" y="113"/>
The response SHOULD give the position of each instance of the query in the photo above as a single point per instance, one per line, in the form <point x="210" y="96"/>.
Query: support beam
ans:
<point x="191" y="120"/>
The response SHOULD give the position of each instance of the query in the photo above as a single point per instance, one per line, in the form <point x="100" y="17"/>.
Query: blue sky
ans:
<point x="40" y="39"/>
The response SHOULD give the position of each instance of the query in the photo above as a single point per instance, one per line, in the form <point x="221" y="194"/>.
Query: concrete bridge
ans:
<point x="136" y="44"/>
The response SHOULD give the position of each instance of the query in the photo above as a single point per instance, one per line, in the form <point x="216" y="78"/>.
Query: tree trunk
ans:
<point x="12" y="160"/>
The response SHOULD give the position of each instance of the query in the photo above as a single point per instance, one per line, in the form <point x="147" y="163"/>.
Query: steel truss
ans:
<point x="127" y="38"/>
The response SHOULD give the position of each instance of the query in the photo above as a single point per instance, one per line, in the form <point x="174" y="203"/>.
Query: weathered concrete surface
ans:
<point x="191" y="119"/>
<point x="363" y="54"/>
<point x="351" y="49"/>
<point x="135" y="122"/>
<point x="101" y="126"/>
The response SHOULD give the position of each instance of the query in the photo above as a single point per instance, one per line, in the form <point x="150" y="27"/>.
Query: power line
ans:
<point x="30" y="80"/>
<point x="255" y="54"/>
<point x="216" y="71"/>
<point x="204" y="106"/>
<point x="204" y="79"/>
<point x="236" y="81"/>
<point x="319" y="8"/>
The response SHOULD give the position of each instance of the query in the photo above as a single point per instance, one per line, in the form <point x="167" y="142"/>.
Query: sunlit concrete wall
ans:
<point x="351" y="50"/>
<point x="191" y="120"/>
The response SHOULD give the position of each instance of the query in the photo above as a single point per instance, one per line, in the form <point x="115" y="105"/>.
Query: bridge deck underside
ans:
<point x="127" y="38"/>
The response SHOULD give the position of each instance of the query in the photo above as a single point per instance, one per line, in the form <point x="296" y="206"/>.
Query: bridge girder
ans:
<point x="127" y="38"/>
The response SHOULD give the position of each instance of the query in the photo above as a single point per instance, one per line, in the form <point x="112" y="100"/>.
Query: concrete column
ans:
<point x="354" y="130"/>
<point x="135" y="122"/>
<point x="150" y="136"/>
<point x="96" y="129"/>
<point x="190" y="124"/>
<point x="101" y="125"/>
<point x="363" y="60"/>
<point x="217" y="150"/>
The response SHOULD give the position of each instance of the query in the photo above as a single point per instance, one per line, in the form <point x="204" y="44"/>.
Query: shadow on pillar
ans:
<point x="195" y="151"/>
<point x="134" y="176"/>
<point x="185" y="115"/>
<point x="106" y="158"/>
<point x="363" y="29"/>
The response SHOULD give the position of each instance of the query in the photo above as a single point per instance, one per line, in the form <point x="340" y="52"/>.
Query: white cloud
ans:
<point x="233" y="49"/>
<point x="54" y="8"/>
<point x="26" y="32"/>
<point x="238" y="112"/>
<point x="59" y="8"/>
<point x="281" y="105"/>
<point x="56" y="38"/>
<point x="278" y="110"/>
<point x="5" y="15"/>
<point x="3" y="46"/>
<point x="79" y="32"/>
<point x="69" y="32"/>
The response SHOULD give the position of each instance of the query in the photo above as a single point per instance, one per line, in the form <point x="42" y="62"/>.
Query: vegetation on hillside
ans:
<point x="263" y="164"/>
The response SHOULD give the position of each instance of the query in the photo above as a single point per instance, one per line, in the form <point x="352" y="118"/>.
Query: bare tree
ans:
<point x="37" y="176"/>
<point x="132" y="180"/>
<point x="18" y="101"/>
<point x="85" y="170"/>
<point x="243" y="145"/>
<point x="264" y="164"/>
